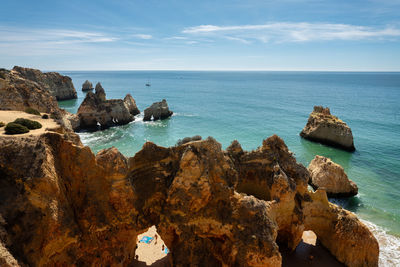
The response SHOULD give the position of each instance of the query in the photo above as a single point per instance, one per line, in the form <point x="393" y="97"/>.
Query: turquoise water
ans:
<point x="250" y="106"/>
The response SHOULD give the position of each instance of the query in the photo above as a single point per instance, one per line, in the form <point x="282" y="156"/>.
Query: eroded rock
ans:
<point x="58" y="85"/>
<point x="96" y="112"/>
<point x="87" y="86"/>
<point x="157" y="111"/>
<point x="328" y="129"/>
<point x="62" y="205"/>
<point x="330" y="176"/>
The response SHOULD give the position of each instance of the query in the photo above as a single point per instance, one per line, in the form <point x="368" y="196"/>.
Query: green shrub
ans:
<point x="31" y="125"/>
<point x="45" y="116"/>
<point x="15" y="128"/>
<point x="32" y="111"/>
<point x="1" y="124"/>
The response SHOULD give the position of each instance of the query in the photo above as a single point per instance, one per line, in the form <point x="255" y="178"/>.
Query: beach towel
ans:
<point x="146" y="239"/>
<point x="166" y="251"/>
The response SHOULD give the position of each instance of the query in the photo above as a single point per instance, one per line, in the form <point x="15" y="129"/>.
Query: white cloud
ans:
<point x="143" y="36"/>
<point x="56" y="36"/>
<point x="176" y="38"/>
<point x="293" y="32"/>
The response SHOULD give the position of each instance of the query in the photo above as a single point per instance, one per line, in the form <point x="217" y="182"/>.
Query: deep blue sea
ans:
<point x="251" y="106"/>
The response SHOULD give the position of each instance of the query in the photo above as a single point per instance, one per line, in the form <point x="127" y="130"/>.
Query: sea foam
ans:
<point x="389" y="245"/>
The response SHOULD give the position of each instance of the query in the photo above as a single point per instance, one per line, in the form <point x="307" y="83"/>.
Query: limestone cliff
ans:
<point x="19" y="93"/>
<point x="96" y="112"/>
<point x="59" y="86"/>
<point x="328" y="129"/>
<point x="62" y="205"/>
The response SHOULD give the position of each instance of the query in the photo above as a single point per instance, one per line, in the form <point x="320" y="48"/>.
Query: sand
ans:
<point x="151" y="254"/>
<point x="309" y="253"/>
<point x="7" y="116"/>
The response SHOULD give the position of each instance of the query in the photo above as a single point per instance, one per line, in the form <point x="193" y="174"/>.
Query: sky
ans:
<point x="299" y="35"/>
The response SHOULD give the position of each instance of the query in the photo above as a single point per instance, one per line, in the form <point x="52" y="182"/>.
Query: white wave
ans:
<point x="389" y="245"/>
<point x="184" y="114"/>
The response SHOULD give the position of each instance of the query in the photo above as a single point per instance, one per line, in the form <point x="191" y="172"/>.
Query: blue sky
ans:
<point x="201" y="35"/>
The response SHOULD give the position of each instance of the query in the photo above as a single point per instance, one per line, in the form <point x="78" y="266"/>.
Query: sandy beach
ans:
<point x="152" y="253"/>
<point x="7" y="116"/>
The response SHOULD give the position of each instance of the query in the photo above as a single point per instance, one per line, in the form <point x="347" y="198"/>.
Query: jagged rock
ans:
<point x="131" y="105"/>
<point x="18" y="93"/>
<point x="328" y="129"/>
<point x="65" y="206"/>
<point x="58" y="85"/>
<point x="100" y="93"/>
<point x="157" y="111"/>
<point x="330" y="176"/>
<point x="96" y="112"/>
<point x="87" y="86"/>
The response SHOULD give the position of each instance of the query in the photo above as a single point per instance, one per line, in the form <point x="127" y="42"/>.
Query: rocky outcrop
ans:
<point x="62" y="205"/>
<point x="157" y="111"/>
<point x="328" y="129"/>
<point x="330" y="176"/>
<point x="58" y="85"/>
<point x="87" y="86"/>
<point x="18" y="93"/>
<point x="96" y="112"/>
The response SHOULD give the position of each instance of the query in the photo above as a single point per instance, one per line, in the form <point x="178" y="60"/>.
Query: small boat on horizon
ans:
<point x="148" y="84"/>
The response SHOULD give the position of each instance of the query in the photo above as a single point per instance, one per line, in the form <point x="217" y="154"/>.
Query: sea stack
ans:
<point x="327" y="129"/>
<point x="96" y="112"/>
<point x="157" y="111"/>
<point x="58" y="85"/>
<point x="87" y="86"/>
<point x="330" y="176"/>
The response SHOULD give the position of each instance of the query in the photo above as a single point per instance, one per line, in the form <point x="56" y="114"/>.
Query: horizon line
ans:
<point x="223" y="70"/>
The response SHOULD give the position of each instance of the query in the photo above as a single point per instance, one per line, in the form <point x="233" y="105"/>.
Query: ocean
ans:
<point x="251" y="106"/>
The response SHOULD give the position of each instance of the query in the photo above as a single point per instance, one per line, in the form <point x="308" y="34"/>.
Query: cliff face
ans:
<point x="62" y="205"/>
<point x="59" y="86"/>
<point x="19" y="93"/>
<point x="96" y="112"/>
<point x="328" y="129"/>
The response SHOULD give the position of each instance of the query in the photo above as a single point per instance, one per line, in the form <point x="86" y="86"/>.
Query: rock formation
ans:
<point x="328" y="129"/>
<point x="157" y="111"/>
<point x="18" y="93"/>
<point x="61" y="205"/>
<point x="58" y="85"/>
<point x="96" y="112"/>
<point x="87" y="86"/>
<point x="330" y="176"/>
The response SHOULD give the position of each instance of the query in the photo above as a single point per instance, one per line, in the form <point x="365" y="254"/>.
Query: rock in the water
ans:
<point x="328" y="129"/>
<point x="330" y="176"/>
<point x="87" y="86"/>
<point x="96" y="112"/>
<point x="157" y="111"/>
<point x="62" y="205"/>
<point x="58" y="85"/>
<point x="188" y="139"/>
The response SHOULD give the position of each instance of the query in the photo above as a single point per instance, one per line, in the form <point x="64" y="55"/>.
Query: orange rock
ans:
<point x="63" y="205"/>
